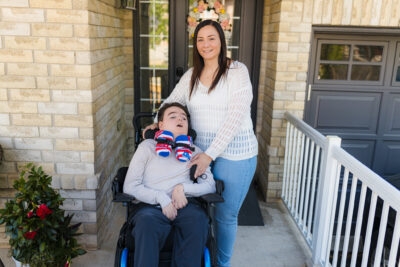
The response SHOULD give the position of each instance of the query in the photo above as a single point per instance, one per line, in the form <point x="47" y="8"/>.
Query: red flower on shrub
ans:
<point x="43" y="211"/>
<point x="30" y="214"/>
<point x="30" y="234"/>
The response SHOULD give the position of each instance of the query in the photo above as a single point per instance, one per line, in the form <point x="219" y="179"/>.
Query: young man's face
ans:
<point x="175" y="121"/>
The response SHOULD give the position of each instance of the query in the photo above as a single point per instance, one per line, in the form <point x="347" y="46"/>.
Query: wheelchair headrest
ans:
<point x="149" y="134"/>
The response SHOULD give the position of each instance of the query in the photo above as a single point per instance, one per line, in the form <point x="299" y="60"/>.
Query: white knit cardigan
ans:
<point x="222" y="118"/>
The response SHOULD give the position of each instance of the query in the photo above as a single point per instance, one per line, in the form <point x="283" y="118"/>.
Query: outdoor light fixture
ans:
<point x="128" y="4"/>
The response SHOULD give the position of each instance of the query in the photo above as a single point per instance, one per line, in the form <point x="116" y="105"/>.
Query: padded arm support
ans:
<point x="118" y="185"/>
<point x="212" y="198"/>
<point x="122" y="197"/>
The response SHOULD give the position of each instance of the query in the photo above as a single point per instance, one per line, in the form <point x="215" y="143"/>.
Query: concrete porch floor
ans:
<point x="276" y="244"/>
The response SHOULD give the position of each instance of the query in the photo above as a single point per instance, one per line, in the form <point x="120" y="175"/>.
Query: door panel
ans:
<point x="346" y="112"/>
<point x="388" y="154"/>
<point x="392" y="122"/>
<point x="355" y="94"/>
<point x="363" y="150"/>
<point x="388" y="161"/>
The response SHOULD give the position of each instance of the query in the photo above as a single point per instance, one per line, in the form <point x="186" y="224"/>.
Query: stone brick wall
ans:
<point x="285" y="62"/>
<point x="66" y="99"/>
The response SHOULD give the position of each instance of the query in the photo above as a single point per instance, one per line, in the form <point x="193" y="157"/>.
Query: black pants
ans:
<point x="151" y="229"/>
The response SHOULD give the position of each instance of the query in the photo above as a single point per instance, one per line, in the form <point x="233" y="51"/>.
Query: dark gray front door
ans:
<point x="354" y="92"/>
<point x="163" y="46"/>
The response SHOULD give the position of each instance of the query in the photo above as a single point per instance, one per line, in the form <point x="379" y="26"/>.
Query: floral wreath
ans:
<point x="216" y="7"/>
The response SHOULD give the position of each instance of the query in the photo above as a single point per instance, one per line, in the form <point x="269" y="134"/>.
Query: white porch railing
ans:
<point x="348" y="215"/>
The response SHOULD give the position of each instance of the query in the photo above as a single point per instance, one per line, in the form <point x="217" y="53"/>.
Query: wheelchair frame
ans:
<point x="123" y="257"/>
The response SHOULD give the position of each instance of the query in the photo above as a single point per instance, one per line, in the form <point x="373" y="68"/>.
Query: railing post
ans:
<point x="326" y="198"/>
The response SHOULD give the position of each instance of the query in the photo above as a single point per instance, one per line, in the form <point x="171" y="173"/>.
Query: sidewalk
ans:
<point x="276" y="244"/>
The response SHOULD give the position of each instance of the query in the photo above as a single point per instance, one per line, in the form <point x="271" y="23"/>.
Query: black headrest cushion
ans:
<point x="149" y="134"/>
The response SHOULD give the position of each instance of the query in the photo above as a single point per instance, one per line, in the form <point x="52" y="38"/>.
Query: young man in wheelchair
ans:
<point x="158" y="176"/>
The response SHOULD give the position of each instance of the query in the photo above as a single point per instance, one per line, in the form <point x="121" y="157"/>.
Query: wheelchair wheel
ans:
<point x="206" y="257"/>
<point x="124" y="258"/>
<point x="118" y="256"/>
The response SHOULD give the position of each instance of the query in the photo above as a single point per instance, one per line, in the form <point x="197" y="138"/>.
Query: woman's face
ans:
<point x="175" y="120"/>
<point x="208" y="43"/>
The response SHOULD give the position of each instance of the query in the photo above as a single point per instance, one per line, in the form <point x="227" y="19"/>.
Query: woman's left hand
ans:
<point x="203" y="161"/>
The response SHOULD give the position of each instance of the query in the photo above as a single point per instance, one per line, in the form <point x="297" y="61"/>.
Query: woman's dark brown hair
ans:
<point x="198" y="61"/>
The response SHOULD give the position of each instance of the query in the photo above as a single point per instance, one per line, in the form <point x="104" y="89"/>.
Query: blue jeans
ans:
<point x="237" y="177"/>
<point x="152" y="228"/>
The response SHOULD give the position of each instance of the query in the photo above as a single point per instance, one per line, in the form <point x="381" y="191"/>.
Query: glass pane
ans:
<point x="398" y="75"/>
<point x="335" y="52"/>
<point x="224" y="11"/>
<point x="156" y="54"/>
<point x="365" y="73"/>
<point x="154" y="23"/>
<point x="152" y="82"/>
<point x="332" y="72"/>
<point x="367" y="53"/>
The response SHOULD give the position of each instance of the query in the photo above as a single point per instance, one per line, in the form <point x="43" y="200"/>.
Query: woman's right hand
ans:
<point x="151" y="127"/>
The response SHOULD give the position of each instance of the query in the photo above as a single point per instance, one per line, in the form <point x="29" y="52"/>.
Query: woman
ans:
<point x="218" y="94"/>
<point x="161" y="182"/>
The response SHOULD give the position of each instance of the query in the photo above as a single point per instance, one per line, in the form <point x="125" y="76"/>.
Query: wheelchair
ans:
<point x="125" y="244"/>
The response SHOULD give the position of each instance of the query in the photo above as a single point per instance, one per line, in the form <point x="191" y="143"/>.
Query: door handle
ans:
<point x="179" y="72"/>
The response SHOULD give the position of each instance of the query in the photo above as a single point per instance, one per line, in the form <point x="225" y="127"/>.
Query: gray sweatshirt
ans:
<point x="151" y="178"/>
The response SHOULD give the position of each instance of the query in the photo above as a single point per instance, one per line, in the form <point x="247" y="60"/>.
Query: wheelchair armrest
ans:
<point x="211" y="198"/>
<point x="122" y="197"/>
<point x="117" y="186"/>
<point x="214" y="197"/>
